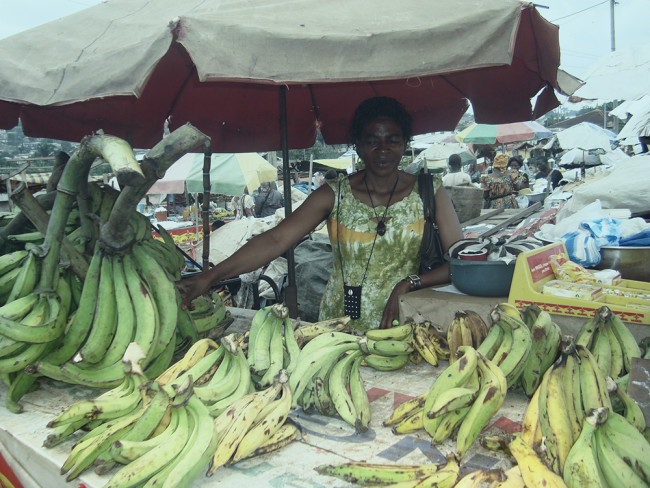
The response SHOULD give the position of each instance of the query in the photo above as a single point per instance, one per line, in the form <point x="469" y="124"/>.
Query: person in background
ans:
<point x="375" y="222"/>
<point x="455" y="177"/>
<point x="269" y="199"/>
<point x="544" y="171"/>
<point x="475" y="173"/>
<point x="514" y="165"/>
<point x="247" y="203"/>
<point x="499" y="186"/>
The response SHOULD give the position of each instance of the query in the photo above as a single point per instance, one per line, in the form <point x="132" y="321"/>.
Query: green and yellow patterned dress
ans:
<point x="396" y="254"/>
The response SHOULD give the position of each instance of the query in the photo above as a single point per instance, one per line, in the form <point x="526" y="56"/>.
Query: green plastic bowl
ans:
<point x="481" y="278"/>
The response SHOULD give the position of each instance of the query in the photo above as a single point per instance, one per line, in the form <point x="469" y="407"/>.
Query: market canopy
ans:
<point x="586" y="135"/>
<point x="623" y="74"/>
<point x="503" y="133"/>
<point x="130" y="66"/>
<point x="229" y="174"/>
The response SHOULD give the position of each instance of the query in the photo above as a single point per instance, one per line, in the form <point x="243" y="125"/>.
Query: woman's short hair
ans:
<point x="372" y="108"/>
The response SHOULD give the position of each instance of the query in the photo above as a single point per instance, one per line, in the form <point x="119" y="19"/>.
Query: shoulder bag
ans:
<point x="431" y="253"/>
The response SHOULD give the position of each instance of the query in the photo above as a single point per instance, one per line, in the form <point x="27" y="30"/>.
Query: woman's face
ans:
<point x="515" y="165"/>
<point x="381" y="145"/>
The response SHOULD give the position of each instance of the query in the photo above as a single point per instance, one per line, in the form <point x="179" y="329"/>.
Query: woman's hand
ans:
<point x="190" y="288"/>
<point x="391" y="311"/>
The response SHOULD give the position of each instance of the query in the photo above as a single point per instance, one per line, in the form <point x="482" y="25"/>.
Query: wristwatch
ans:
<point x="414" y="282"/>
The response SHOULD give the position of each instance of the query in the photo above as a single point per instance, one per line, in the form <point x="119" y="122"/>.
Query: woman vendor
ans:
<point x="500" y="186"/>
<point x="375" y="221"/>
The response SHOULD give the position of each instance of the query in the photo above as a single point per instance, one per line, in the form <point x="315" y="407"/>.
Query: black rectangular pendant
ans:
<point x="352" y="301"/>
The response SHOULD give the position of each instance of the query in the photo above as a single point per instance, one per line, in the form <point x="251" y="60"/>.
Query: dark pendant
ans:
<point x="381" y="228"/>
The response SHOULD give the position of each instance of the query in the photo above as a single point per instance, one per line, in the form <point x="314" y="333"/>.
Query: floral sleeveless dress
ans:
<point x="395" y="255"/>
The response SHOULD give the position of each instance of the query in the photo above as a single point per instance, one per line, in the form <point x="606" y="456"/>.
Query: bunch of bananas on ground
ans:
<point x="609" y="452"/>
<point x="546" y="338"/>
<point x="430" y="344"/>
<point x="508" y="343"/>
<point x="570" y="388"/>
<point x="610" y="341"/>
<point x="252" y="423"/>
<point x="438" y="475"/>
<point x="467" y="328"/>
<point x="389" y="349"/>
<point x="163" y="432"/>
<point x="272" y="344"/>
<point x="459" y="404"/>
<point x="220" y="372"/>
<point x="309" y="373"/>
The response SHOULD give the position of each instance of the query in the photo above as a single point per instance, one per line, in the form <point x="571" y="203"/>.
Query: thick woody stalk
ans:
<point x="114" y="233"/>
<point x="38" y="216"/>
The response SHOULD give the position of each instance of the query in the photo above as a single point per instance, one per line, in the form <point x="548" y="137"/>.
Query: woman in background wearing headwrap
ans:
<point x="499" y="187"/>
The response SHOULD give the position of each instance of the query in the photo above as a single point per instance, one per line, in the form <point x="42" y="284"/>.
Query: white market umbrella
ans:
<point x="586" y="135"/>
<point x="623" y="74"/>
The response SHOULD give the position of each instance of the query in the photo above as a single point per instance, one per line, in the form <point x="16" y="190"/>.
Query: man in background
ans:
<point x="269" y="199"/>
<point x="455" y="177"/>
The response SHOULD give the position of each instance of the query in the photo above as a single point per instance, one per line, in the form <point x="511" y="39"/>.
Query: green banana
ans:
<point x="359" y="396"/>
<point x="632" y="411"/>
<point x="581" y="467"/>
<point x="546" y="337"/>
<point x="397" y="333"/>
<point x="104" y="324"/>
<point x="629" y="444"/>
<point x="26" y="280"/>
<point x="629" y="346"/>
<point x="80" y="324"/>
<point x="386" y="363"/>
<point x="339" y="379"/>
<point x="12" y="260"/>
<point x="147" y="465"/>
<point x="490" y="397"/>
<point x="616" y="470"/>
<point x="144" y="309"/>
<point x="164" y="294"/>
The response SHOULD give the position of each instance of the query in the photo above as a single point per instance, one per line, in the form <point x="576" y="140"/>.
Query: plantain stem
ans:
<point x="116" y="233"/>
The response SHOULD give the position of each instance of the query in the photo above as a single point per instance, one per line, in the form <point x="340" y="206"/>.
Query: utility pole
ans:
<point x="611" y="23"/>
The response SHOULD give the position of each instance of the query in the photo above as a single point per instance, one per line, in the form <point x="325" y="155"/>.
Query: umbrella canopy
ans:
<point x="229" y="174"/>
<point x="503" y="133"/>
<point x="576" y="157"/>
<point x="129" y="66"/>
<point x="438" y="154"/>
<point x="623" y="74"/>
<point x="586" y="135"/>
<point x="639" y="123"/>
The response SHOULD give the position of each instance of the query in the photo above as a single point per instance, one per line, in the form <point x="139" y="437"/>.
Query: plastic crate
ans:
<point x="533" y="270"/>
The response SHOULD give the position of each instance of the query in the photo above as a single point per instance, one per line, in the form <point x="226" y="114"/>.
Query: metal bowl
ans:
<point x="481" y="278"/>
<point x="632" y="262"/>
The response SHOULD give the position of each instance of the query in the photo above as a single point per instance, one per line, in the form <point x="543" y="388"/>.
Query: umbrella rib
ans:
<point x="313" y="103"/>
<point x="180" y="91"/>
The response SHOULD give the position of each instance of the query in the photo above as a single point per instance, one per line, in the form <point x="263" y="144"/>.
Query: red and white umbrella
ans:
<point x="503" y="133"/>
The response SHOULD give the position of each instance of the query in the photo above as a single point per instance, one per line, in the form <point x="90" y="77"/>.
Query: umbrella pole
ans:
<point x="311" y="173"/>
<point x="205" y="211"/>
<point x="291" y="291"/>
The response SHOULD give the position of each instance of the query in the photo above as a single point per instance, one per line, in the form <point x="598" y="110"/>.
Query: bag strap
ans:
<point x="425" y="189"/>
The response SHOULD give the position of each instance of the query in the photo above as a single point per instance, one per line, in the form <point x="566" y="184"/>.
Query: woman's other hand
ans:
<point x="391" y="311"/>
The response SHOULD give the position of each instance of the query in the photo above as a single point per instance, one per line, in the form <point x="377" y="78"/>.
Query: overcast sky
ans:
<point x="585" y="32"/>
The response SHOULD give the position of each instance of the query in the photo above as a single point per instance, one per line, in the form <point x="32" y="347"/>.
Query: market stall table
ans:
<point x="325" y="440"/>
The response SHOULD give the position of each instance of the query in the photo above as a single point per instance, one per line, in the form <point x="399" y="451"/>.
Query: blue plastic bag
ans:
<point x="582" y="247"/>
<point x="606" y="231"/>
